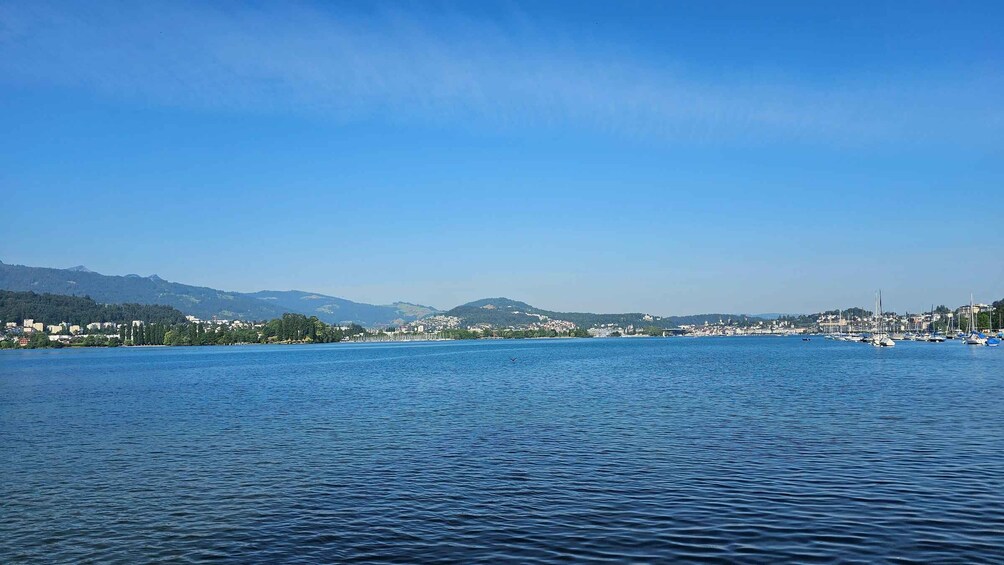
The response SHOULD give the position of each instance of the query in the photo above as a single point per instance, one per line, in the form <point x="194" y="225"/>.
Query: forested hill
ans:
<point x="334" y="310"/>
<point x="505" y="312"/>
<point x="134" y="289"/>
<point x="54" y="308"/>
<point x="203" y="302"/>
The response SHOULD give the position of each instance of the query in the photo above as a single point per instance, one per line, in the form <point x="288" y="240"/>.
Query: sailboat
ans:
<point x="833" y="334"/>
<point x="934" y="336"/>
<point x="974" y="337"/>
<point x="879" y="337"/>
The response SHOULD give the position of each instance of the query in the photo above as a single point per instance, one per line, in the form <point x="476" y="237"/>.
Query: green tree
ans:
<point x="39" y="340"/>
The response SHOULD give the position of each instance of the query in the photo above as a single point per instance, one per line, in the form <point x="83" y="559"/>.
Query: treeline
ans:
<point x="290" y="328"/>
<point x="846" y="314"/>
<point x="57" y="308"/>
<point x="994" y="318"/>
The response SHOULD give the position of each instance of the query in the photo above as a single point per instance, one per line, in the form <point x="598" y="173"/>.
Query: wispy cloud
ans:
<point x="396" y="66"/>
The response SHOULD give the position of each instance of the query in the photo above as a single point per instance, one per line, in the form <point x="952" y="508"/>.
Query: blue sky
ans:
<point x="664" y="157"/>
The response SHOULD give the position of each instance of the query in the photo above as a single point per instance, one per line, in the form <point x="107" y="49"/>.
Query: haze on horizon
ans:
<point x="644" y="156"/>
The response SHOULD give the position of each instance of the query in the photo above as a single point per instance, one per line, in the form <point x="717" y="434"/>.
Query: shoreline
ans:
<point x="414" y="340"/>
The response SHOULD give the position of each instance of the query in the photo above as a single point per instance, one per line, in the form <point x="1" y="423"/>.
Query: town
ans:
<point x="297" y="328"/>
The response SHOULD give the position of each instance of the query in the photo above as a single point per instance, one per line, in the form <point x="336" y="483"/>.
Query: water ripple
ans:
<point x="731" y="451"/>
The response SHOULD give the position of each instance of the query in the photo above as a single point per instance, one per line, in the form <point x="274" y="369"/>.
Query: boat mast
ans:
<point x="972" y="319"/>
<point x="881" y="322"/>
<point x="875" y="316"/>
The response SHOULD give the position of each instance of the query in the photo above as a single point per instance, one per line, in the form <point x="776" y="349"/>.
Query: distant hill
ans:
<point x="200" y="301"/>
<point x="505" y="312"/>
<point x="206" y="303"/>
<point x="53" y="309"/>
<point x="334" y="310"/>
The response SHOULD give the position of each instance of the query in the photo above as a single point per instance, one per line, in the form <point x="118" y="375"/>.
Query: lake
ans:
<point x="728" y="449"/>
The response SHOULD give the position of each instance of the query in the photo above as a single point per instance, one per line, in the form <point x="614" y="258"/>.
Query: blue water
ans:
<point x="733" y="450"/>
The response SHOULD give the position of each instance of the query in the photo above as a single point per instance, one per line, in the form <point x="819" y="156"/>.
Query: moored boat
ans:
<point x="879" y="338"/>
<point x="975" y="337"/>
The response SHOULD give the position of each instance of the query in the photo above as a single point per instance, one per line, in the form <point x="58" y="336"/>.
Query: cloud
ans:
<point x="404" y="67"/>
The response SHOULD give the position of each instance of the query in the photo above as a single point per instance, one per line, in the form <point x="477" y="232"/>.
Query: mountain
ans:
<point x="200" y="301"/>
<point x="334" y="310"/>
<point x="206" y="303"/>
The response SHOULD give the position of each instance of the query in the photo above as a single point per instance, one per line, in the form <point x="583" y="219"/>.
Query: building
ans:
<point x="977" y="308"/>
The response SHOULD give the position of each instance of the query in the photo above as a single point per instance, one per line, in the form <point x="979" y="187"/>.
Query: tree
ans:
<point x="39" y="340"/>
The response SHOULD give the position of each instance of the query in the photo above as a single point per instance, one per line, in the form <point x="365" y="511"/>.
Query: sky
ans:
<point x="662" y="157"/>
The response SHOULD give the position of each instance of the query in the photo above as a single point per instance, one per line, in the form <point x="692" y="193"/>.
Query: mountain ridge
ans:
<point x="333" y="309"/>
<point x="206" y="303"/>
<point x="200" y="301"/>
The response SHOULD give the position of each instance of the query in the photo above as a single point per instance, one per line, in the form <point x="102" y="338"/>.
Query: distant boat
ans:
<point x="836" y="335"/>
<point x="993" y="341"/>
<point x="933" y="336"/>
<point x="879" y="338"/>
<point x="974" y="337"/>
